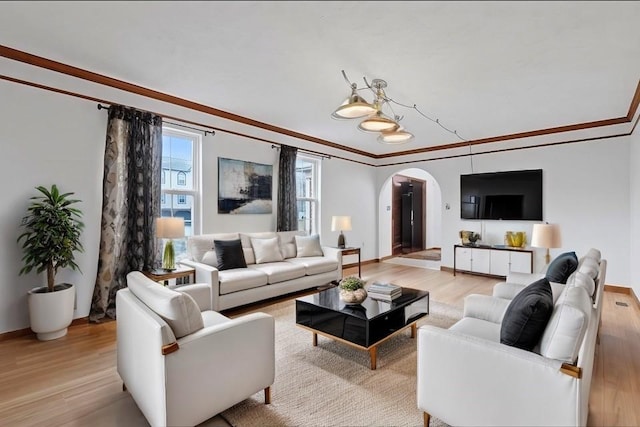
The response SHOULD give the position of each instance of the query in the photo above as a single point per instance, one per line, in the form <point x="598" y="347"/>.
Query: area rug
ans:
<point x="332" y="385"/>
<point x="429" y="254"/>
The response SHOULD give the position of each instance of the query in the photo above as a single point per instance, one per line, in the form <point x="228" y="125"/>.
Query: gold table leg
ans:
<point x="373" y="353"/>
<point x="414" y="329"/>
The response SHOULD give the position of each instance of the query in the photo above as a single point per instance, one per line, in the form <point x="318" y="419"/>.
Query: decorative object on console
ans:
<point x="169" y="228"/>
<point x="352" y="290"/>
<point x="356" y="107"/>
<point x="244" y="187"/>
<point x="341" y="223"/>
<point x="515" y="239"/>
<point x="469" y="238"/>
<point x="546" y="236"/>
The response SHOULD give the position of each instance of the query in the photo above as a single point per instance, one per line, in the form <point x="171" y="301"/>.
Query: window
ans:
<point x="180" y="196"/>
<point x="308" y="194"/>
<point x="182" y="178"/>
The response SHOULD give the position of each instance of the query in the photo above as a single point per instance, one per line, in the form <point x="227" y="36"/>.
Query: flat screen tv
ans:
<point x="513" y="195"/>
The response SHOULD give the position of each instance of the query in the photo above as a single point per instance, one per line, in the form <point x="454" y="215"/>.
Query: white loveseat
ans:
<point x="184" y="363"/>
<point x="259" y="281"/>
<point x="467" y="377"/>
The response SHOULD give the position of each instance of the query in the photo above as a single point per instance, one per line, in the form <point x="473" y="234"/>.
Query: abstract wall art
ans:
<point x="244" y="187"/>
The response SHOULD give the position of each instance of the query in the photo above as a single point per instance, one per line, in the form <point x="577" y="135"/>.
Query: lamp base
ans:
<point x="547" y="257"/>
<point x="341" y="242"/>
<point x="168" y="259"/>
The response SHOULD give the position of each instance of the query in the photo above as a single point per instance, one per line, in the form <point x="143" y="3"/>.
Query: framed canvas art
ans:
<point x="244" y="187"/>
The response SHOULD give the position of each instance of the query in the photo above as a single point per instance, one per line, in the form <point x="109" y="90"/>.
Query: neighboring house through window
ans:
<point x="179" y="189"/>
<point x="308" y="194"/>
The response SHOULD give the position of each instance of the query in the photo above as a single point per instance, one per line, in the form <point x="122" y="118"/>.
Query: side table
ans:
<point x="161" y="275"/>
<point x="353" y="251"/>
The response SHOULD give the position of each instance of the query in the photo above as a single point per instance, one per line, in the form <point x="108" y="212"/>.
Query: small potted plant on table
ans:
<point x="352" y="290"/>
<point x="51" y="236"/>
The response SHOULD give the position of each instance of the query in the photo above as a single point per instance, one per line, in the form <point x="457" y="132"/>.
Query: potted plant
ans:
<point x="352" y="290"/>
<point x="51" y="237"/>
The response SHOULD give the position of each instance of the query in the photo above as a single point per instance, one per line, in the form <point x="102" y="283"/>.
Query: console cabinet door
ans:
<point x="480" y="260"/>
<point x="499" y="263"/>
<point x="520" y="262"/>
<point x="463" y="259"/>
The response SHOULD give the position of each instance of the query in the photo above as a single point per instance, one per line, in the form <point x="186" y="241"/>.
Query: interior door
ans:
<point x="407" y="216"/>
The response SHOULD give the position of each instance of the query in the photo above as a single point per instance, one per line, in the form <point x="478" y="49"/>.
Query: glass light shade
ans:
<point x="378" y="123"/>
<point x="399" y="136"/>
<point x="353" y="107"/>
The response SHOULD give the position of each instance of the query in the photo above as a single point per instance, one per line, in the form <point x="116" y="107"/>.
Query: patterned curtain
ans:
<point x="130" y="203"/>
<point x="287" y="203"/>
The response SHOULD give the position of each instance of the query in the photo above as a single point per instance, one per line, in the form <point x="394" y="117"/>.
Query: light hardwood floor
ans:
<point x="73" y="381"/>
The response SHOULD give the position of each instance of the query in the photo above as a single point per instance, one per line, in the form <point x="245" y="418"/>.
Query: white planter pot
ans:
<point x="51" y="313"/>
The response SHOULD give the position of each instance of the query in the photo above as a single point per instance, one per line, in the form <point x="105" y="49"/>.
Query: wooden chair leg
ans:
<point x="267" y="395"/>
<point x="427" y="418"/>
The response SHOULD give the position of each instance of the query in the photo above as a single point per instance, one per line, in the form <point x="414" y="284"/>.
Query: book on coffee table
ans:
<point x="384" y="291"/>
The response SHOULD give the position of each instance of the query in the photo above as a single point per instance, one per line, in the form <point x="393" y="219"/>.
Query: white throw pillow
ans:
<point x="308" y="246"/>
<point x="266" y="250"/>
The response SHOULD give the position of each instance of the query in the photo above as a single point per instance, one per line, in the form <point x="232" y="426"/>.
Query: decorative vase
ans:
<point x="516" y="239"/>
<point x="50" y="313"/>
<point x="353" y="297"/>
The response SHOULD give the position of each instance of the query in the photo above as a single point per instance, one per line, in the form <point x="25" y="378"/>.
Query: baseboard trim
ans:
<point x="618" y="289"/>
<point x="355" y="264"/>
<point x="384" y="258"/>
<point x="5" y="336"/>
<point x="447" y="269"/>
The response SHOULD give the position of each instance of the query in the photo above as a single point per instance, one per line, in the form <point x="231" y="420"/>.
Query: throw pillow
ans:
<point x="308" y="246"/>
<point x="266" y="250"/>
<point x="561" y="268"/>
<point x="527" y="316"/>
<point x="229" y="254"/>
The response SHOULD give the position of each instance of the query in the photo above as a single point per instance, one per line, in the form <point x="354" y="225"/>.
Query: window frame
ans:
<point x="315" y="189"/>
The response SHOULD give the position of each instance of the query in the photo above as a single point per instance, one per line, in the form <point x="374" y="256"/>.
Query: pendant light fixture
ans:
<point x="399" y="136"/>
<point x="353" y="107"/>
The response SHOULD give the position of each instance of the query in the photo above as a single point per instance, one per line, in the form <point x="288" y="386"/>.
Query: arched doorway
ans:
<point x="410" y="196"/>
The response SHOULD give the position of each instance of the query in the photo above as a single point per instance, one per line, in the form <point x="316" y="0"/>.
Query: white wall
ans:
<point x="586" y="191"/>
<point x="634" y="235"/>
<point x="47" y="139"/>
<point x="433" y="213"/>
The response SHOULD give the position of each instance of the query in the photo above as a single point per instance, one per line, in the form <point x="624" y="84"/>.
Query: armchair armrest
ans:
<point x="206" y="274"/>
<point x="200" y="292"/>
<point x="507" y="290"/>
<point x="488" y="383"/>
<point x="222" y="364"/>
<point x="485" y="307"/>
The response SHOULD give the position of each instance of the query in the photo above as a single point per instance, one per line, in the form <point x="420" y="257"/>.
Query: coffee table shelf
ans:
<point x="363" y="326"/>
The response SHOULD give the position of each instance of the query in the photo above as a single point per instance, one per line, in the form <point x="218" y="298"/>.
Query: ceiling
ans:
<point x="484" y="69"/>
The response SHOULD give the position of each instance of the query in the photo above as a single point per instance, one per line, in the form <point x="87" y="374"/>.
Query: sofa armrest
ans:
<point x="333" y="253"/>
<point x="507" y="290"/>
<point x="209" y="275"/>
<point x="485" y="307"/>
<point x="200" y="292"/>
<point x="496" y="384"/>
<point x="524" y="278"/>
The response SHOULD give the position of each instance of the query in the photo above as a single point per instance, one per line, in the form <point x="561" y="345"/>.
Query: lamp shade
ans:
<point x="340" y="223"/>
<point x="169" y="228"/>
<point x="546" y="236"/>
<point x="399" y="136"/>
<point x="378" y="123"/>
<point x="353" y="107"/>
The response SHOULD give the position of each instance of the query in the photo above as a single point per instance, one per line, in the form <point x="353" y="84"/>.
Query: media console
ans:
<point x="495" y="261"/>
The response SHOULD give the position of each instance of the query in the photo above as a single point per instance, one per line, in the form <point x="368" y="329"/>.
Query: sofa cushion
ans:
<point x="229" y="254"/>
<point x="527" y="315"/>
<point x="198" y="246"/>
<point x="563" y="335"/>
<point x="316" y="264"/>
<point x="280" y="271"/>
<point x="308" y="246"/>
<point x="589" y="266"/>
<point x="246" y="243"/>
<point x="266" y="250"/>
<point x="561" y="267"/>
<point x="583" y="280"/>
<point x="288" y="243"/>
<point x="478" y="328"/>
<point x="240" y="279"/>
<point x="178" y="309"/>
<point x="594" y="253"/>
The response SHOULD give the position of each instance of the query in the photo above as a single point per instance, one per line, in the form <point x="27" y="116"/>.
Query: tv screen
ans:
<point x="513" y="195"/>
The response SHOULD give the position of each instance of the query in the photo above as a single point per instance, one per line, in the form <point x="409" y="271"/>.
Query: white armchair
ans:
<point x="182" y="362"/>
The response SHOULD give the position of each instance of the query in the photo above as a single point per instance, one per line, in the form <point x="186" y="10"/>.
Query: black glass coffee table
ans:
<point x="363" y="326"/>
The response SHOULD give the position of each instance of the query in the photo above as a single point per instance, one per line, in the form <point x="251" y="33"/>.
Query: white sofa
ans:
<point x="259" y="281"/>
<point x="184" y="363"/>
<point x="467" y="377"/>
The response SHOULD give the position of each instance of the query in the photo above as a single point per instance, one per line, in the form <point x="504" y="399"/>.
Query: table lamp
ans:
<point x="169" y="228"/>
<point x="546" y="236"/>
<point x="342" y="223"/>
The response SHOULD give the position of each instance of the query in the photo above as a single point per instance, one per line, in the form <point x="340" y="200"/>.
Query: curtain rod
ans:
<point x="315" y="153"/>
<point x="103" y="107"/>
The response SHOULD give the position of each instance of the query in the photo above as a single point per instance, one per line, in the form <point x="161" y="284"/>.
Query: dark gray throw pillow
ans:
<point x="562" y="267"/>
<point x="527" y="316"/>
<point x="229" y="254"/>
